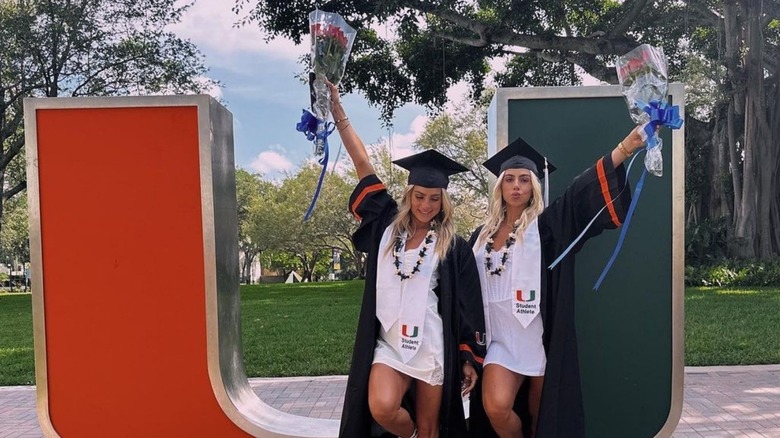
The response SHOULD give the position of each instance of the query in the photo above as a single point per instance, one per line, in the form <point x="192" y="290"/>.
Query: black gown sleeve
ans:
<point x="598" y="186"/>
<point x="471" y="339"/>
<point x="372" y="206"/>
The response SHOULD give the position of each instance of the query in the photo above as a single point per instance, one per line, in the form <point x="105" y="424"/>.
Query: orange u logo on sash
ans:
<point x="532" y="296"/>
<point x="405" y="332"/>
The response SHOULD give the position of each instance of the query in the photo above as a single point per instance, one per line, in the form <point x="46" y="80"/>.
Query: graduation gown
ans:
<point x="460" y="307"/>
<point x="561" y="412"/>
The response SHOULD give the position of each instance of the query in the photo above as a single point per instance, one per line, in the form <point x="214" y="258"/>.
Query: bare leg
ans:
<point x="499" y="389"/>
<point x="386" y="388"/>
<point x="428" y="405"/>
<point x="534" y="400"/>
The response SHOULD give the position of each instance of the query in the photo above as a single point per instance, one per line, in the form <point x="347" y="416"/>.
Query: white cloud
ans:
<point x="270" y="161"/>
<point x="402" y="144"/>
<point x="212" y="90"/>
<point x="210" y="24"/>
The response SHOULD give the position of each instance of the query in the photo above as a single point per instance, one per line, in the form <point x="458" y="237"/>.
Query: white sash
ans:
<point x="526" y="275"/>
<point x="404" y="301"/>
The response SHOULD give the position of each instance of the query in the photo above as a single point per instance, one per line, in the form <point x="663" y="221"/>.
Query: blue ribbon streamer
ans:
<point x="624" y="229"/>
<point x="310" y="125"/>
<point x="587" y="227"/>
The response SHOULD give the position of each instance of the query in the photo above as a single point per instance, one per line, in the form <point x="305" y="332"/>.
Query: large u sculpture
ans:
<point x="133" y="233"/>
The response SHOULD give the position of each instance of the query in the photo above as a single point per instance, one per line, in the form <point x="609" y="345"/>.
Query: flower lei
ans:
<point x="399" y="246"/>
<point x="510" y="240"/>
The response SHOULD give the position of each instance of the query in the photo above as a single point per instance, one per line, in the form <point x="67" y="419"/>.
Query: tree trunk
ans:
<point x="753" y="228"/>
<point x="732" y="85"/>
<point x="774" y="211"/>
<point x="719" y="199"/>
<point x="360" y="262"/>
<point x="246" y="267"/>
<point x="698" y="158"/>
<point x="769" y="214"/>
<point x="305" y="265"/>
<point x="306" y="274"/>
<point x="2" y="199"/>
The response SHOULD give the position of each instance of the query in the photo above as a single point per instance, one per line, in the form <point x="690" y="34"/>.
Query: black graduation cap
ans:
<point x="430" y="169"/>
<point x="518" y="155"/>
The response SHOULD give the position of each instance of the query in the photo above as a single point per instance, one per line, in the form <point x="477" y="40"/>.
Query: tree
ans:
<point x="752" y="62"/>
<point x="257" y="224"/>
<point x="54" y="48"/>
<point x="333" y="219"/>
<point x="15" y="237"/>
<point x="740" y="48"/>
<point x="393" y="177"/>
<point x="546" y="42"/>
<point x="442" y="42"/>
<point x="280" y="261"/>
<point x="462" y="136"/>
<point x="330" y="226"/>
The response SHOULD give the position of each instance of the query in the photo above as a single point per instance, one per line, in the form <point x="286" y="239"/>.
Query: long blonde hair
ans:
<point x="445" y="228"/>
<point x="497" y="209"/>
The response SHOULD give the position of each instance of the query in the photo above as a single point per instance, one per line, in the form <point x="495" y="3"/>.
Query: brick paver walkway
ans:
<point x="731" y="402"/>
<point x="719" y="402"/>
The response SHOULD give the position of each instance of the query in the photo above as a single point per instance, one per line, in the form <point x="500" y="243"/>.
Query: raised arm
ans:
<point x="352" y="142"/>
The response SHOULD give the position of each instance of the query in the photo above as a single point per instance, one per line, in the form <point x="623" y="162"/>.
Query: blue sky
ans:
<point x="265" y="97"/>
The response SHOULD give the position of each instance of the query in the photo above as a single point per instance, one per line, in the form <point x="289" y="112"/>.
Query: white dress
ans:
<point x="426" y="364"/>
<point x="514" y="347"/>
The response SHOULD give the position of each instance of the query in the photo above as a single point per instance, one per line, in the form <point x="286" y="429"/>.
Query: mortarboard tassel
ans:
<point x="546" y="184"/>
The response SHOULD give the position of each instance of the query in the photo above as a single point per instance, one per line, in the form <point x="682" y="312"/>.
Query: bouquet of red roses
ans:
<point x="331" y="40"/>
<point x="331" y="43"/>
<point x="642" y="73"/>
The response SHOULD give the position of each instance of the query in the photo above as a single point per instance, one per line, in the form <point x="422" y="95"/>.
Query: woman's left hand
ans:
<point x="469" y="378"/>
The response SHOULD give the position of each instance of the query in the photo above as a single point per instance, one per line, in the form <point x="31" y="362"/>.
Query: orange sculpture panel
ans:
<point x="123" y="284"/>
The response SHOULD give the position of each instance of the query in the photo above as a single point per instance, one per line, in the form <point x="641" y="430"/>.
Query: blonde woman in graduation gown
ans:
<point x="416" y="348"/>
<point x="529" y="309"/>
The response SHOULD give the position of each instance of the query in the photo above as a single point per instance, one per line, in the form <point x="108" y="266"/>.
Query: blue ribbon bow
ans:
<point x="316" y="130"/>
<point x="661" y="114"/>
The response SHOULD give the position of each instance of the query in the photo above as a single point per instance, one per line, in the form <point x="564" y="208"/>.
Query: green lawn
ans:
<point x="299" y="329"/>
<point x="308" y="329"/>
<point x="16" y="340"/>
<point x="732" y="326"/>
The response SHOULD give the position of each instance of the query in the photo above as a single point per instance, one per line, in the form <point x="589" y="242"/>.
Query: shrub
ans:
<point x="734" y="273"/>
